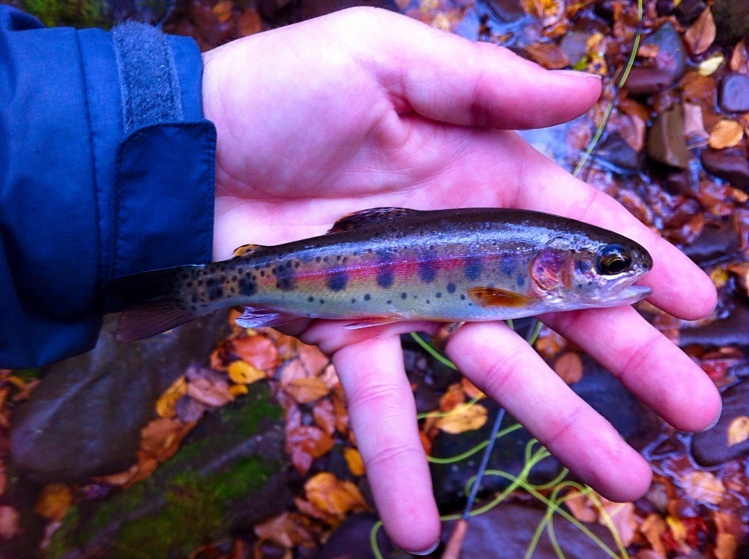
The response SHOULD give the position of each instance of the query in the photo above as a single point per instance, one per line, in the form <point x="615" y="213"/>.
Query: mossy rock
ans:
<point x="228" y="475"/>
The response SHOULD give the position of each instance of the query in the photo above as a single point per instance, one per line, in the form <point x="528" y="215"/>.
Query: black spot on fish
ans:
<point x="472" y="267"/>
<point x="337" y="280"/>
<point x="322" y="301"/>
<point x="188" y="284"/>
<point x="438" y="294"/>
<point x="367" y="297"/>
<point x="385" y="277"/>
<point x="428" y="269"/>
<point x="521" y="280"/>
<point x="389" y="302"/>
<point x="507" y="265"/>
<point x="404" y="295"/>
<point x="353" y="299"/>
<point x="286" y="279"/>
<point x="247" y="287"/>
<point x="194" y="298"/>
<point x="262" y="273"/>
<point x="310" y="299"/>
<point x="213" y="289"/>
<point x="451" y="288"/>
<point x="428" y="302"/>
<point x="463" y="297"/>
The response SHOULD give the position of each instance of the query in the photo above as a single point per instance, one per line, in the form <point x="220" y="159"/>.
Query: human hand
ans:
<point x="365" y="108"/>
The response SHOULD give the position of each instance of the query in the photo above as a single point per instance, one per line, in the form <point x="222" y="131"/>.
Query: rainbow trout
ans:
<point x="389" y="264"/>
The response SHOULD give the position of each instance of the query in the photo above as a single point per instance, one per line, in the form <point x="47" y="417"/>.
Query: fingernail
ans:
<point x="428" y="551"/>
<point x="578" y="74"/>
<point x="714" y="423"/>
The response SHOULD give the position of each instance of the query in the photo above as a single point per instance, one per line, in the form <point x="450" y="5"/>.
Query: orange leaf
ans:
<point x="259" y="351"/>
<point x="161" y="437"/>
<point x="354" y="461"/>
<point x="166" y="405"/>
<point x="462" y="418"/>
<point x="653" y="528"/>
<point x="453" y="397"/>
<point x="581" y="507"/>
<point x="306" y="390"/>
<point x="725" y="134"/>
<point x="242" y="372"/>
<point x="305" y="444"/>
<point x="334" y="496"/>
<point x="54" y="501"/>
<point x="569" y="367"/>
<point x="208" y="387"/>
<point x="222" y="10"/>
<point x="313" y="359"/>
<point x="324" y="414"/>
<point x="549" y="55"/>
<point x="738" y="430"/>
<point x="701" y="34"/>
<point x="287" y="530"/>
<point x="249" y="23"/>
<point x="622" y="516"/>
<point x="471" y="390"/>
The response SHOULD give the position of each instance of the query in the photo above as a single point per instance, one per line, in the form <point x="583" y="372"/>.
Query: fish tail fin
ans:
<point x="152" y="303"/>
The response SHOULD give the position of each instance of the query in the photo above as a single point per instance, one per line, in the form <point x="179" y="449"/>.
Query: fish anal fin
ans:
<point x="366" y="218"/>
<point x="257" y="318"/>
<point x="371" y="322"/>
<point x="495" y="297"/>
<point x="244" y="250"/>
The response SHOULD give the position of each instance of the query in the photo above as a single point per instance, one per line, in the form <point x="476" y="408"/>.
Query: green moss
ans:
<point x="78" y="13"/>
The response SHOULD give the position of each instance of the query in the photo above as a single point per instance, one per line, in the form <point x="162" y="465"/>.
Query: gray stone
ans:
<point x="666" y="144"/>
<point x="733" y="93"/>
<point x="729" y="165"/>
<point x="85" y="418"/>
<point x="732" y="330"/>
<point x="710" y="448"/>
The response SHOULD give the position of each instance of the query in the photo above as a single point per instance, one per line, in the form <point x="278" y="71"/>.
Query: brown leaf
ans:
<point x="725" y="134"/>
<point x="287" y="530"/>
<point x="306" y="443"/>
<point x="653" y="528"/>
<point x="549" y="55"/>
<point x="739" y="60"/>
<point x="453" y="397"/>
<point x="694" y="128"/>
<point x="701" y="33"/>
<point x="259" y="351"/>
<point x="738" y="430"/>
<point x="581" y="506"/>
<point x="622" y="516"/>
<point x="462" y="418"/>
<point x="307" y="389"/>
<point x="9" y="522"/>
<point x="208" y="387"/>
<point x="569" y="367"/>
<point x="313" y="359"/>
<point x="249" y="23"/>
<point x="54" y="501"/>
<point x="703" y="487"/>
<point x="324" y="414"/>
<point x="161" y="437"/>
<point x="334" y="496"/>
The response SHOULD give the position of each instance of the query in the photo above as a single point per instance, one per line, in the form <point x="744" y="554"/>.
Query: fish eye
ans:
<point x="612" y="260"/>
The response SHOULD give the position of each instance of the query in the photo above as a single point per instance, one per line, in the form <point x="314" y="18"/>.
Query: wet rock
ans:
<point x="669" y="64"/>
<point x="575" y="45"/>
<point x="227" y="476"/>
<point x="689" y="10"/>
<point x="634" y="421"/>
<point x="615" y="151"/>
<point x="506" y="532"/>
<point x="85" y="418"/>
<point x="731" y="19"/>
<point x="732" y="330"/>
<point x="666" y="144"/>
<point x="716" y="241"/>
<point x="733" y="94"/>
<point x="731" y="165"/>
<point x="710" y="448"/>
<point x="351" y="540"/>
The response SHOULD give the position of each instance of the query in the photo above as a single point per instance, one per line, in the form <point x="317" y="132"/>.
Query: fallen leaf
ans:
<point x="452" y="398"/>
<point x="739" y="60"/>
<point x="725" y="134"/>
<point x="741" y="271"/>
<point x="222" y="10"/>
<point x="622" y="517"/>
<point x="653" y="528"/>
<point x="306" y="443"/>
<point x="701" y="33"/>
<point x="9" y="522"/>
<point x="287" y="530"/>
<point x="678" y="529"/>
<point x="54" y="501"/>
<point x="738" y="430"/>
<point x="703" y="487"/>
<point x="334" y="496"/>
<point x="257" y="350"/>
<point x="726" y="546"/>
<point x="207" y="387"/>
<point x="581" y="506"/>
<point x="694" y="128"/>
<point x="307" y="389"/>
<point x="166" y="405"/>
<point x="313" y="359"/>
<point x="241" y="372"/>
<point x="354" y="461"/>
<point x="549" y="55"/>
<point x="324" y="414"/>
<point x="569" y="367"/>
<point x="161" y="437"/>
<point x="711" y="64"/>
<point x="249" y="23"/>
<point x="471" y="390"/>
<point x="464" y="417"/>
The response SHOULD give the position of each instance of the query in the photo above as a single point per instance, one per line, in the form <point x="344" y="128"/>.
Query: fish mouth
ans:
<point x="632" y="294"/>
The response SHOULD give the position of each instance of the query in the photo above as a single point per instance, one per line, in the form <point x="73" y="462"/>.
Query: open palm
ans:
<point x="365" y="108"/>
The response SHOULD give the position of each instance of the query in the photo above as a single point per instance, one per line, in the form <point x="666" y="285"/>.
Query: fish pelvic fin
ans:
<point x="152" y="303"/>
<point x="366" y="218"/>
<point x="493" y="297"/>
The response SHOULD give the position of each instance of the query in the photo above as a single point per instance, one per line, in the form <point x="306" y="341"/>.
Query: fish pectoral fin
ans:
<point x="257" y="318"/>
<point x="366" y="218"/>
<point x="495" y="297"/>
<point x="244" y="250"/>
<point x="370" y="322"/>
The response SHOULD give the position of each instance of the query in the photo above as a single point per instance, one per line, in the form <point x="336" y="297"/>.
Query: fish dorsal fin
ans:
<point x="244" y="250"/>
<point x="365" y="218"/>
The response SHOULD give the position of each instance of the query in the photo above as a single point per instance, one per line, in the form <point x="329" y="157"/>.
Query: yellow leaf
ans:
<point x="703" y="487"/>
<point x="166" y="405"/>
<point x="725" y="134"/>
<point x="334" y="496"/>
<point x="678" y="529"/>
<point x="711" y="64"/>
<point x="738" y="430"/>
<point x="242" y="372"/>
<point x="464" y="417"/>
<point x="54" y="501"/>
<point x="354" y="461"/>
<point x="238" y="389"/>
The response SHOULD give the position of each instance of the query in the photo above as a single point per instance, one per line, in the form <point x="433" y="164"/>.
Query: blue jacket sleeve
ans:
<point x="106" y="169"/>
